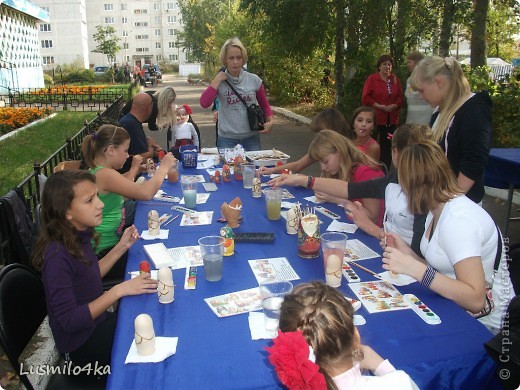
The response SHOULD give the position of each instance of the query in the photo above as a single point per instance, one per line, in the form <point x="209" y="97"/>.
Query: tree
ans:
<point x="478" y="34"/>
<point x="107" y="42"/>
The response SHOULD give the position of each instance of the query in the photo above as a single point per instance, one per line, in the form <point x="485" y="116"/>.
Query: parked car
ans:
<point x="148" y="76"/>
<point x="100" y="70"/>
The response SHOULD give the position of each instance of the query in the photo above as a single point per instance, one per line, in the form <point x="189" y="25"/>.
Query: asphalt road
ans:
<point x="293" y="137"/>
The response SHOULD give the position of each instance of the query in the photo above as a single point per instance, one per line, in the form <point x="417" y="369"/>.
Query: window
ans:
<point x="109" y="20"/>
<point x="170" y="6"/>
<point x="172" y="19"/>
<point x="159" y="57"/>
<point x="171" y="45"/>
<point x="157" y="32"/>
<point x="124" y="7"/>
<point x="156" y="6"/>
<point x="140" y="11"/>
<point x="157" y="19"/>
<point x="46" y="43"/>
<point x="45" y="27"/>
<point x="157" y="45"/>
<point x="173" y="57"/>
<point x="142" y="49"/>
<point x="48" y="60"/>
<point x="141" y="37"/>
<point x="46" y="9"/>
<point x="171" y="31"/>
<point x="109" y="7"/>
<point x="125" y="33"/>
<point x="141" y="24"/>
<point x="125" y="45"/>
<point x="124" y="20"/>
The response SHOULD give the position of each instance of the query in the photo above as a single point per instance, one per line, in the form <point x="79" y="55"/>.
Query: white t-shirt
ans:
<point x="398" y="218"/>
<point x="185" y="131"/>
<point x="466" y="230"/>
<point x="387" y="377"/>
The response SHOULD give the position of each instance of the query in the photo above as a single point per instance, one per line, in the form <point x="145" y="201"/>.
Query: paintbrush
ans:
<point x="364" y="269"/>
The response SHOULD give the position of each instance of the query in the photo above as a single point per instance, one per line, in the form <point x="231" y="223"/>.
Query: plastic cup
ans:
<point x="273" y="293"/>
<point x="333" y="248"/>
<point x="248" y="173"/>
<point x="189" y="191"/>
<point x="273" y="201"/>
<point x="212" y="251"/>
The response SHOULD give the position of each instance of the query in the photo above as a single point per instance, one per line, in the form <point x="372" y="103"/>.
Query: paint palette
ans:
<point x="423" y="311"/>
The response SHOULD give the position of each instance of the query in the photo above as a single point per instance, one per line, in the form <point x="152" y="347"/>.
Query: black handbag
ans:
<point x="255" y="114"/>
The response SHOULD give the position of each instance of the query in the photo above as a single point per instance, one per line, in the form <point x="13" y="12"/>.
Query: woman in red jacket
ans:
<point x="383" y="91"/>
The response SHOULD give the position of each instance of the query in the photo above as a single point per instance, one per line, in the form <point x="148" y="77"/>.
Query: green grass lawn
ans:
<point x="36" y="143"/>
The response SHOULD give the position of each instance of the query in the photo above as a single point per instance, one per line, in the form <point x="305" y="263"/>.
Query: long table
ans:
<point x="503" y="171"/>
<point x="218" y="353"/>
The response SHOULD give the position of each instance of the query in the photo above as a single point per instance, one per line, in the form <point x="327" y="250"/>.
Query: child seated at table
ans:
<point x="331" y="119"/>
<point x="464" y="259"/>
<point x="318" y="346"/>
<point x="104" y="152"/>
<point x="184" y="133"/>
<point x="82" y="328"/>
<point x="340" y="159"/>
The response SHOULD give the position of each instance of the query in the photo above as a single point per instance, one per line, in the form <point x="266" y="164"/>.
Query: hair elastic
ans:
<point x="449" y="62"/>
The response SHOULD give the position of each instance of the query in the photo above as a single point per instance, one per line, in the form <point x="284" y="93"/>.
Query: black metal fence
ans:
<point x="87" y="98"/>
<point x="70" y="151"/>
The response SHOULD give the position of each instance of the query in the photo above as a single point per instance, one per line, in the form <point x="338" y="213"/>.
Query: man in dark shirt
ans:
<point x="133" y="123"/>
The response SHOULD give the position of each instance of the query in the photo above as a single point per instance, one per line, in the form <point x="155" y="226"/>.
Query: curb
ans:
<point x="14" y="132"/>
<point x="291" y="115"/>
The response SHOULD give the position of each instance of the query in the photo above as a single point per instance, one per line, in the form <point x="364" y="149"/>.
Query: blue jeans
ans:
<point x="249" y="143"/>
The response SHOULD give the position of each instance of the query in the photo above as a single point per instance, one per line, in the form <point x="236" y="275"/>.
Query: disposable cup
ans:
<point x="273" y="202"/>
<point x="333" y="248"/>
<point x="212" y="251"/>
<point x="189" y="191"/>
<point x="273" y="293"/>
<point x="248" y="173"/>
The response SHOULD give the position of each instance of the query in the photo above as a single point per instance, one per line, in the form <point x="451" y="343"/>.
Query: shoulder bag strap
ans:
<point x="499" y="250"/>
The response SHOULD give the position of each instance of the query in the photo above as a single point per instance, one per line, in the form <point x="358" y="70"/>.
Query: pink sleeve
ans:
<point x="384" y="368"/>
<point x="207" y="97"/>
<point x="262" y="101"/>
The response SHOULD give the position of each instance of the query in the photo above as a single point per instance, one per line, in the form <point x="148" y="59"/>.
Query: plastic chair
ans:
<point x="22" y="310"/>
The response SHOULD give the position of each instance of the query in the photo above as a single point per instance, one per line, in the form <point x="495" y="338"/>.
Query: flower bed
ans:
<point x="14" y="118"/>
<point x="69" y="90"/>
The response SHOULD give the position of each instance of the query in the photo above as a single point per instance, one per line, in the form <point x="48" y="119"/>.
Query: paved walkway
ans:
<point x="292" y="135"/>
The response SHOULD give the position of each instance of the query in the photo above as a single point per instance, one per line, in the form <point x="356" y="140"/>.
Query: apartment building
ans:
<point x="148" y="31"/>
<point x="63" y="38"/>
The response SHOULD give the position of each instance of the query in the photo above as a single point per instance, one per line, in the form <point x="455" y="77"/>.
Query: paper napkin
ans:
<point x="164" y="348"/>
<point x="163" y="235"/>
<point x="344" y="227"/>
<point x="257" y="326"/>
<point x="400" y="280"/>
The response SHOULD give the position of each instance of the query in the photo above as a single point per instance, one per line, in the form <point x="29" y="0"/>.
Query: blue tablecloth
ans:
<point x="218" y="353"/>
<point x="503" y="168"/>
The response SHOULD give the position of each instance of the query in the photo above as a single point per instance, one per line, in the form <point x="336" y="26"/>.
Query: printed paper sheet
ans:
<point x="235" y="303"/>
<point x="273" y="268"/>
<point x="356" y="250"/>
<point x="379" y="296"/>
